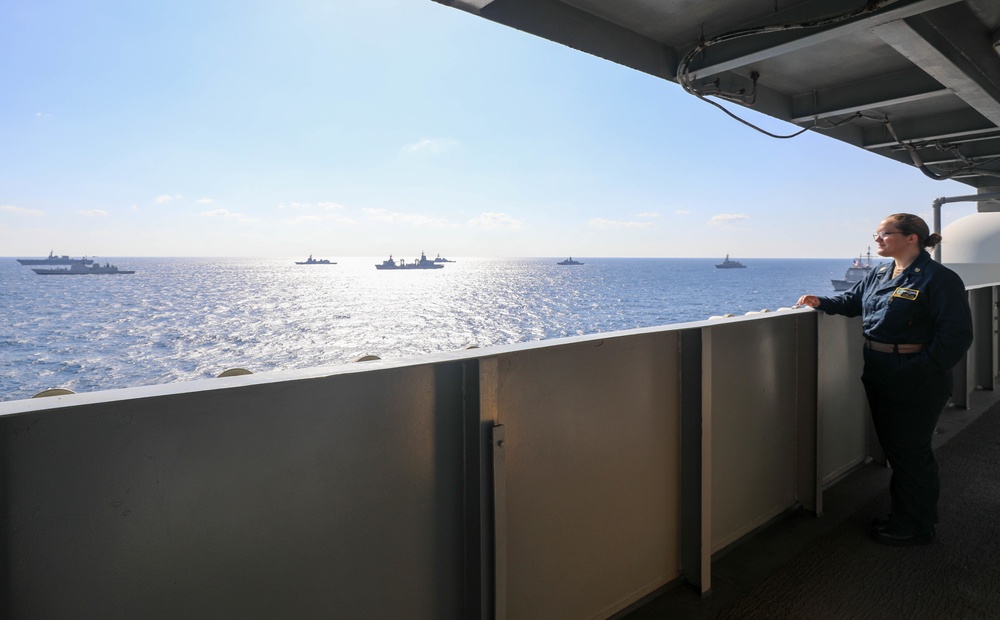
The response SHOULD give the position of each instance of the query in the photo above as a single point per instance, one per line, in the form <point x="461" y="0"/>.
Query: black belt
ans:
<point x="882" y="347"/>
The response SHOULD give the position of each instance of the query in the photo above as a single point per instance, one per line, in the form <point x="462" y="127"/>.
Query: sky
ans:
<point x="283" y="128"/>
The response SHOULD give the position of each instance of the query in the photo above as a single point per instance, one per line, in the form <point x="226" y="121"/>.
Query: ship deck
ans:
<point x="804" y="566"/>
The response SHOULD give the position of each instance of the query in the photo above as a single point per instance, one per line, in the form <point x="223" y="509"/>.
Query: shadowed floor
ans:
<point x="828" y="567"/>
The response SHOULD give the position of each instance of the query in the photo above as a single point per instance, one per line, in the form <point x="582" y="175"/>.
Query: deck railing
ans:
<point x="565" y="478"/>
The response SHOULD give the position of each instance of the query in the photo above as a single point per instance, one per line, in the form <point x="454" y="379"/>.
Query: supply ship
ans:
<point x="421" y="263"/>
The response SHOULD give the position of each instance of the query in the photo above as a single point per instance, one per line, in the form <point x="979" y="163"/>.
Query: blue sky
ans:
<point x="369" y="127"/>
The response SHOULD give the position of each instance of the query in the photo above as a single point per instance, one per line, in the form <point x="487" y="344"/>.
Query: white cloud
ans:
<point x="163" y="199"/>
<point x="724" y="218"/>
<point x="304" y="219"/>
<point x="682" y="212"/>
<point x="219" y="213"/>
<point x="303" y="206"/>
<point x="204" y="201"/>
<point x="413" y="219"/>
<point x="95" y="213"/>
<point x="494" y="221"/>
<point x="601" y="223"/>
<point x="20" y="210"/>
<point x="648" y="214"/>
<point x="310" y="219"/>
<point x="434" y="146"/>
<point x="229" y="215"/>
<point x="325" y="211"/>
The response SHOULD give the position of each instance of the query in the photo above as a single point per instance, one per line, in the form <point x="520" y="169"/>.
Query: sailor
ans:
<point x="917" y="326"/>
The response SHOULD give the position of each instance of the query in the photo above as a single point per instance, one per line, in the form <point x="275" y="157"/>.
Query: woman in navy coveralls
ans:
<point x="917" y="327"/>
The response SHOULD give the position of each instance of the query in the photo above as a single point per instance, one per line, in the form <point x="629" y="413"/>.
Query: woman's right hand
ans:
<point x="808" y="300"/>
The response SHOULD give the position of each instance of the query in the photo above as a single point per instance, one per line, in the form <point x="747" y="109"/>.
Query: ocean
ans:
<point x="178" y="319"/>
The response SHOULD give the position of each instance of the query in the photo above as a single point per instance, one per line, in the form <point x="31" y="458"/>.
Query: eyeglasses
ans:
<point x="882" y="235"/>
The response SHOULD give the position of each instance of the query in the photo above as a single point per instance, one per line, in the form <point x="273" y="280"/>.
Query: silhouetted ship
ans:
<point x="422" y="263"/>
<point x="314" y="261"/>
<point x="56" y="260"/>
<point x="855" y="273"/>
<point x="83" y="270"/>
<point x="730" y="264"/>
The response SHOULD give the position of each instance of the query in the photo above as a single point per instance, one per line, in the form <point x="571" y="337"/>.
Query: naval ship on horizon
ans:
<point x="52" y="259"/>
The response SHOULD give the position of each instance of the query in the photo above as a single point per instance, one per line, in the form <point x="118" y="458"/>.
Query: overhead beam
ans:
<point x="869" y="94"/>
<point x="967" y="123"/>
<point x="980" y="180"/>
<point x="472" y="6"/>
<point x="952" y="55"/>
<point x="975" y="151"/>
<point x="579" y="30"/>
<point x="752" y="49"/>
<point x="985" y="176"/>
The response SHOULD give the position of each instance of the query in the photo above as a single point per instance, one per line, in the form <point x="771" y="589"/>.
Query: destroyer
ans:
<point x="314" y="261"/>
<point x="730" y="264"/>
<point x="82" y="270"/>
<point x="569" y="261"/>
<point x="855" y="273"/>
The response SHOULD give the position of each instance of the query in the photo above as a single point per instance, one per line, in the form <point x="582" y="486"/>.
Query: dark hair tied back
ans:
<point x="910" y="224"/>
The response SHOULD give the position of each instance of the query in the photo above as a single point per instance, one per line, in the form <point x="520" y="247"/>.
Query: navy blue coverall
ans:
<point x="925" y="305"/>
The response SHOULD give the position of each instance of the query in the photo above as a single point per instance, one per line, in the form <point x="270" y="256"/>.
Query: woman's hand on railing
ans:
<point x="808" y="300"/>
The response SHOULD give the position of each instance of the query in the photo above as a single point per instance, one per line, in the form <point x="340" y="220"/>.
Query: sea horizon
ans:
<point x="408" y="254"/>
<point x="184" y="318"/>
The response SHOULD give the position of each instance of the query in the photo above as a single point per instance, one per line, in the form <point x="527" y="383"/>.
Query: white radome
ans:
<point x="971" y="246"/>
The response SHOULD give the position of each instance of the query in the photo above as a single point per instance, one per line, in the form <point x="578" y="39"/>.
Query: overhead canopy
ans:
<point x="917" y="81"/>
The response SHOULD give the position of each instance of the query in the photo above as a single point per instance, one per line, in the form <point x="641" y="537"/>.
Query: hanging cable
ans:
<point x="683" y="68"/>
<point x="969" y="167"/>
<point x="741" y="97"/>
